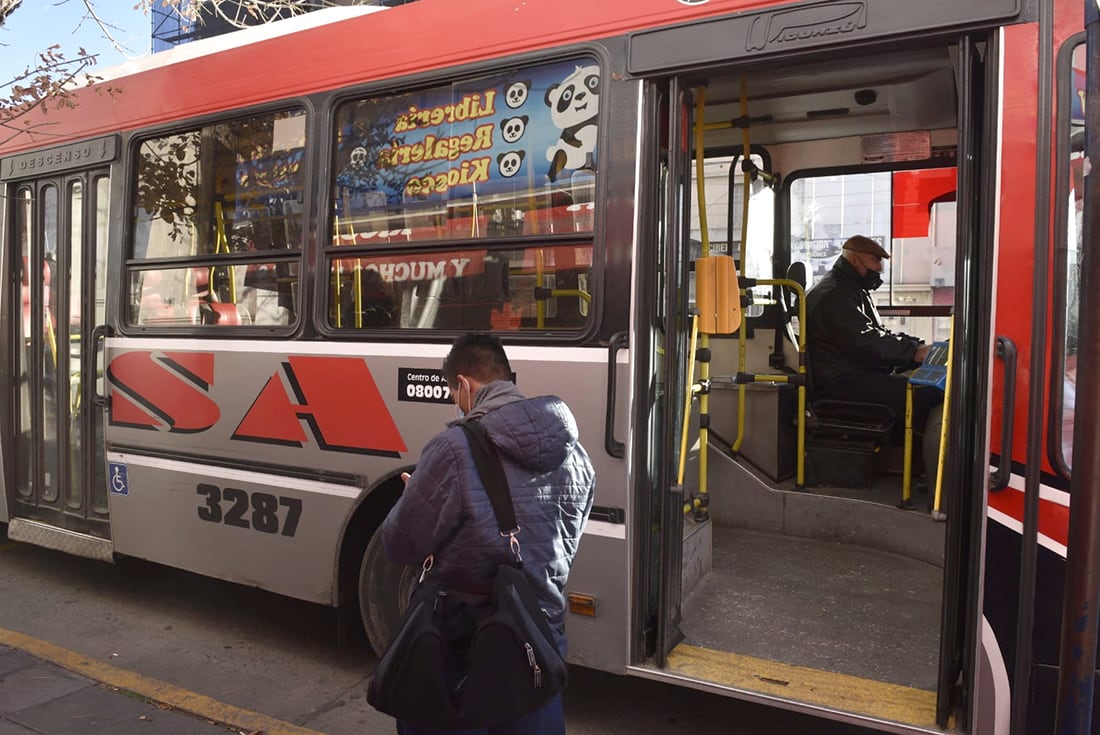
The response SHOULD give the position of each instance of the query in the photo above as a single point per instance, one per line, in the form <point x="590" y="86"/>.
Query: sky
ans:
<point x="38" y="24"/>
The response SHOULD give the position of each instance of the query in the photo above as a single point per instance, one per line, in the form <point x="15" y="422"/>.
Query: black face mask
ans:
<point x="870" y="280"/>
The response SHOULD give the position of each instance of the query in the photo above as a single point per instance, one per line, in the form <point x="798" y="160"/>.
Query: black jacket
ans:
<point x="846" y="337"/>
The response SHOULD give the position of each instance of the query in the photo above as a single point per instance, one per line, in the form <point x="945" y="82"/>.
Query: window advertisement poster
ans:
<point x="509" y="154"/>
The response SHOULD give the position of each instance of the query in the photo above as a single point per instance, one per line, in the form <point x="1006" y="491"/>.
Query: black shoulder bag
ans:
<point x="453" y="669"/>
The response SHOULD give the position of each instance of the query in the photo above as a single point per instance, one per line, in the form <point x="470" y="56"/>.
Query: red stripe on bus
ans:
<point x="1053" y="517"/>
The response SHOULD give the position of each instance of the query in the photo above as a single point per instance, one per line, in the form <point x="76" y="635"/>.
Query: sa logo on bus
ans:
<point x="170" y="390"/>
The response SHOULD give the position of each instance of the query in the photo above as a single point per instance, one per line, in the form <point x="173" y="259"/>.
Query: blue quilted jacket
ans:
<point x="445" y="509"/>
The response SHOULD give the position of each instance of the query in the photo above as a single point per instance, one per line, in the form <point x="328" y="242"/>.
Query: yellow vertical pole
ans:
<point x="687" y="399"/>
<point x="907" y="467"/>
<point x="337" y="316"/>
<point x="944" y="428"/>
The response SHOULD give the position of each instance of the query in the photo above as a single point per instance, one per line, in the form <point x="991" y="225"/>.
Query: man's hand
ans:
<point x="922" y="352"/>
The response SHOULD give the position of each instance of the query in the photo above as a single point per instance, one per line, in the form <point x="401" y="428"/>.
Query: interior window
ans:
<point x="724" y="179"/>
<point x="910" y="213"/>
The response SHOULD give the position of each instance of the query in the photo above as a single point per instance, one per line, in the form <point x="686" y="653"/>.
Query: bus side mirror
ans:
<point x="717" y="296"/>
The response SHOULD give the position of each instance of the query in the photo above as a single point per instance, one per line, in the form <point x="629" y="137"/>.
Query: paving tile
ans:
<point x="35" y="685"/>
<point x="89" y="711"/>
<point x="10" y="728"/>
<point x="166" y="722"/>
<point x="13" y="660"/>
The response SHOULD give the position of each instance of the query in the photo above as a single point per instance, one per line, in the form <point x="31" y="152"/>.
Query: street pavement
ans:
<point x="40" y="698"/>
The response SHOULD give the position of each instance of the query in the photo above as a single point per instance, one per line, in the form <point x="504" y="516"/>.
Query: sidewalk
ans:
<point x="40" y="698"/>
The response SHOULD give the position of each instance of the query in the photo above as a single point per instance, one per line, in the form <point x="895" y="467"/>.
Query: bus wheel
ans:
<point x="384" y="591"/>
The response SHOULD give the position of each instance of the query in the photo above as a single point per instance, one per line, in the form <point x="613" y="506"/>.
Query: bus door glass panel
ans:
<point x="669" y="362"/>
<point x="1074" y="253"/>
<point x="44" y="326"/>
<point x="25" y="210"/>
<point x="70" y="350"/>
<point x="96" y="384"/>
<point x="910" y="213"/>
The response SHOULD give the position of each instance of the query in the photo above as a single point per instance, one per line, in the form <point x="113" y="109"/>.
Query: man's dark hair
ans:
<point x="481" y="356"/>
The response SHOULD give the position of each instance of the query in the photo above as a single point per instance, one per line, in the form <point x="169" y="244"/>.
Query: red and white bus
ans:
<point x="235" y="267"/>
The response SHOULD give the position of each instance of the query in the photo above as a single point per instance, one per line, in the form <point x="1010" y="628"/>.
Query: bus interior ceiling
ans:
<point x="824" y="577"/>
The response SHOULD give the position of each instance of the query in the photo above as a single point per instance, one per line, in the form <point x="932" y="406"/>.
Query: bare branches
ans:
<point x="51" y="83"/>
<point x="48" y="85"/>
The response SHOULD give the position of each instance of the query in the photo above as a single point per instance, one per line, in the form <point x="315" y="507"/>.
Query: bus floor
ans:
<point x="825" y="596"/>
<point x="819" y="604"/>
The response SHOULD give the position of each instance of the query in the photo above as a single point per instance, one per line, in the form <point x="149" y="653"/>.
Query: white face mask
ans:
<point x="459" y="413"/>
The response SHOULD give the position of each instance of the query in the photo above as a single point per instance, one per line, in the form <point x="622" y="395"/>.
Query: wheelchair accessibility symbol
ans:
<point x="116" y="476"/>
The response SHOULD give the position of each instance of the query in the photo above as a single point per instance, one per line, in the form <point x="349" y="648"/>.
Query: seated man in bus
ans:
<point x="853" y="357"/>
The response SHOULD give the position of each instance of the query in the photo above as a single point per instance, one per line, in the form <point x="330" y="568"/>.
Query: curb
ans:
<point x="153" y="689"/>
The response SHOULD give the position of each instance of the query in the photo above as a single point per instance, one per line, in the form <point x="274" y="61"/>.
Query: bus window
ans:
<point x="910" y="213"/>
<point x="533" y="288"/>
<point x="228" y="190"/>
<point x="497" y="156"/>
<point x="260" y="293"/>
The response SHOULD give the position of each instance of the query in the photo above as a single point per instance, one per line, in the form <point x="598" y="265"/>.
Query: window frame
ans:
<point x="328" y="253"/>
<point x="296" y="257"/>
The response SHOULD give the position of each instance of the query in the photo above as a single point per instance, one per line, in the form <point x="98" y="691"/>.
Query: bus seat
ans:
<point x="215" y="312"/>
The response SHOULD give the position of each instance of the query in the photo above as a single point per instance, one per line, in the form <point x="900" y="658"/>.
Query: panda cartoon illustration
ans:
<point x="508" y="163"/>
<point x="516" y="94"/>
<point x="573" y="103"/>
<point x="513" y="128"/>
<point x="358" y="157"/>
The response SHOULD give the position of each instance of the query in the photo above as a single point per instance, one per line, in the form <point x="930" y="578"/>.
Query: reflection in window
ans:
<point x="538" y="288"/>
<point x="229" y="188"/>
<point x="227" y="191"/>
<point x="1074" y="249"/>
<point x="497" y="156"/>
<point x="261" y="293"/>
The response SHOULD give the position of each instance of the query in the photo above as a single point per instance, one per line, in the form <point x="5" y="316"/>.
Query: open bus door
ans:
<point x="658" y="351"/>
<point x="787" y="568"/>
<point x="54" y="463"/>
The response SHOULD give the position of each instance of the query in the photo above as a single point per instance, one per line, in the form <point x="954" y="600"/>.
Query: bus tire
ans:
<point x="384" y="591"/>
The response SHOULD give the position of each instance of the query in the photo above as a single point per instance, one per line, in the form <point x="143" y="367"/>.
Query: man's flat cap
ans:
<point x="861" y="244"/>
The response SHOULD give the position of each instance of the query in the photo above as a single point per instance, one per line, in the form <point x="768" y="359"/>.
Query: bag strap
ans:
<point x="491" y="471"/>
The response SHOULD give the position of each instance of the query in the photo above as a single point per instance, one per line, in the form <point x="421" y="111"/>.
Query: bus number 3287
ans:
<point x="264" y="506"/>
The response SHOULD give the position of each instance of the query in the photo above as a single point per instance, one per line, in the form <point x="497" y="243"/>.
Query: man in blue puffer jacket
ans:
<point x="445" y="510"/>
